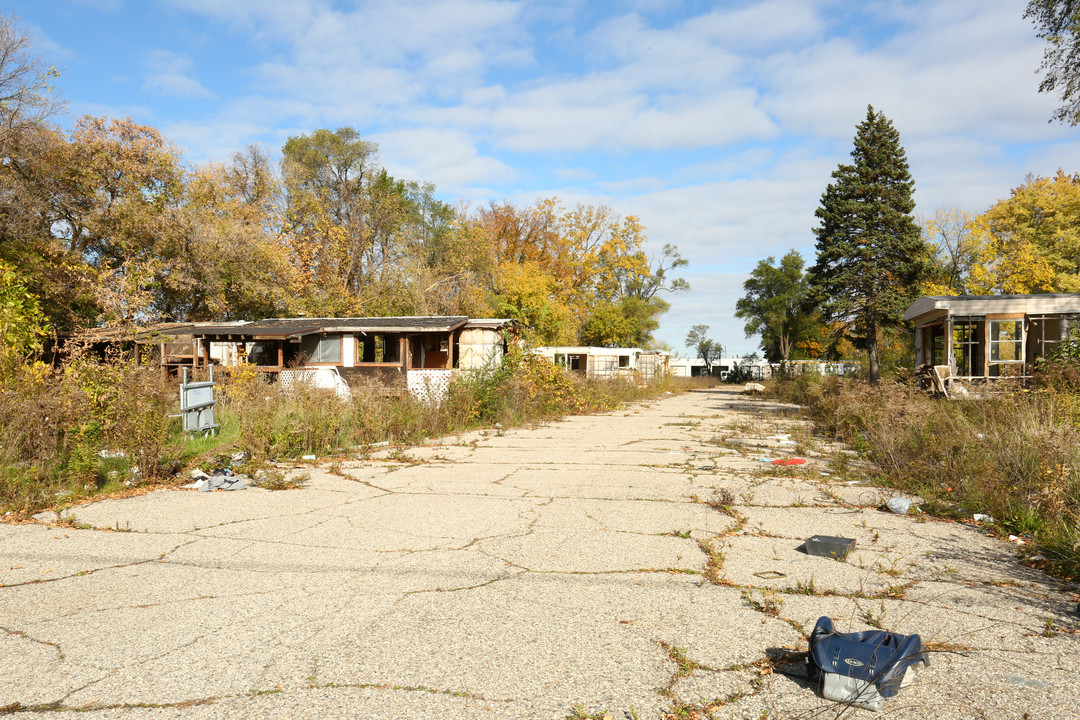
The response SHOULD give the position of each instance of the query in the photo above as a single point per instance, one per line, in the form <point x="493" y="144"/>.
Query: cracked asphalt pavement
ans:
<point x="642" y="563"/>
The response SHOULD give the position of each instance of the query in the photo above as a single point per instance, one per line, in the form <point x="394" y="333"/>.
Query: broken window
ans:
<point x="1006" y="348"/>
<point x="624" y="361"/>
<point x="1044" y="335"/>
<point x="967" y="349"/>
<point x="322" y="348"/>
<point x="379" y="349"/>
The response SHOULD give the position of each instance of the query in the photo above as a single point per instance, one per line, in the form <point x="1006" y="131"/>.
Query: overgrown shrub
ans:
<point x="1010" y="453"/>
<point x="76" y="431"/>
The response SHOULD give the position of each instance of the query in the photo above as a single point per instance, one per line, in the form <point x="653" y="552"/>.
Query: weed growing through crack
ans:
<point x="806" y="589"/>
<point x="276" y="479"/>
<point x="876" y="619"/>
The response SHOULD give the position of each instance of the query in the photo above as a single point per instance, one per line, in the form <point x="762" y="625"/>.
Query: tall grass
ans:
<point x="1012" y="453"/>
<point x="96" y="427"/>
<point x="90" y="427"/>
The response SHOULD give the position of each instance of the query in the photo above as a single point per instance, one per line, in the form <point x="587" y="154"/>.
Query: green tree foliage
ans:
<point x="707" y="349"/>
<point x="22" y="324"/>
<point x="777" y="305"/>
<point x="1058" y="23"/>
<point x="871" y="257"/>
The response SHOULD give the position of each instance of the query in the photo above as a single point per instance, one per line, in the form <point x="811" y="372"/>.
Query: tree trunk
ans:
<point x="872" y="348"/>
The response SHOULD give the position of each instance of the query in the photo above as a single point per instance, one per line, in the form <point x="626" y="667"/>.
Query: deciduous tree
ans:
<point x="707" y="349"/>
<point x="777" y="305"/>
<point x="1030" y="241"/>
<point x="1058" y="23"/>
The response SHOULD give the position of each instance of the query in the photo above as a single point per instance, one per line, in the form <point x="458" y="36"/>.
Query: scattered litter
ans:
<point x="384" y="443"/>
<point x="751" y="388"/>
<point x="829" y="546"/>
<point x="1016" y="539"/>
<point x="764" y="459"/>
<point x="1038" y="556"/>
<point x="852" y="482"/>
<point x="221" y="480"/>
<point x="769" y="575"/>
<point x="197" y="473"/>
<point x="498" y="425"/>
<point x="822" y="472"/>
<point x="63" y="494"/>
<point x="789" y="461"/>
<point x="979" y="517"/>
<point x="863" y="668"/>
<point x="108" y="454"/>
<point x="898" y="505"/>
<point x="240" y="457"/>
<point x="706" y="467"/>
<point x="307" y="457"/>
<point x="1024" y="682"/>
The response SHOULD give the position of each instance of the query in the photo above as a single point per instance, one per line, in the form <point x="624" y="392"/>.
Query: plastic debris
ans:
<point x="898" y="505"/>
<point x="789" y="461"/>
<point x="1016" y="539"/>
<point x="107" y="454"/>
<point x="240" y="457"/>
<point x="307" y="457"/>
<point x="979" y="517"/>
<point x="1038" y="556"/>
<point x="1024" y="682"/>
<point x="222" y="480"/>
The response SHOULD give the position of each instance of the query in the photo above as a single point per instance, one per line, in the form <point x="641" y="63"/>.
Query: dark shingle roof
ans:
<point x="283" y="328"/>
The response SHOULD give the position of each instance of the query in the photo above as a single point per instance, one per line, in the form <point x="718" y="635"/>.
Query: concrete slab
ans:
<point x="572" y="567"/>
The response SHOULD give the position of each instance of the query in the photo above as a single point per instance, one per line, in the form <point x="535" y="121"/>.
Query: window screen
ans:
<point x="322" y="349"/>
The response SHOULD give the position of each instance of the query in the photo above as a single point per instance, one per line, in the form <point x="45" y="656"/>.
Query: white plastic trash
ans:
<point x="898" y="505"/>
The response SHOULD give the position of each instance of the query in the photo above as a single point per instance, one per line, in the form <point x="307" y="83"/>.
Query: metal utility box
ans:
<point x="828" y="546"/>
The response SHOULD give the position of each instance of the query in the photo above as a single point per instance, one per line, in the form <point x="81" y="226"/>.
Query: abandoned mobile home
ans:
<point x="396" y="350"/>
<point x="607" y="363"/>
<point x="983" y="337"/>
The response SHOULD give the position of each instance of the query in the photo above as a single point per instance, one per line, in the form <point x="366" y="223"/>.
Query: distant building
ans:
<point x="602" y="362"/>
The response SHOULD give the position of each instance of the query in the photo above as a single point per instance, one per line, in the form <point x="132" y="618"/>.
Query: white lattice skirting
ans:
<point x="429" y="385"/>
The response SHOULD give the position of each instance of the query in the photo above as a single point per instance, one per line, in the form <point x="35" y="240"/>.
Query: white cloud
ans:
<point x="448" y="158"/>
<point x="170" y="73"/>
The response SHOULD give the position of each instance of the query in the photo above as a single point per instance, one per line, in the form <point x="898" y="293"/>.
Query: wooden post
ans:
<point x="281" y="355"/>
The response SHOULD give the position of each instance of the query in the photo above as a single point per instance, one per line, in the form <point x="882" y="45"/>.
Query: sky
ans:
<point x="717" y="124"/>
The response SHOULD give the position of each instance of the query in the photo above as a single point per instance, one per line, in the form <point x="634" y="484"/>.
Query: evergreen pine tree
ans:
<point x="870" y="254"/>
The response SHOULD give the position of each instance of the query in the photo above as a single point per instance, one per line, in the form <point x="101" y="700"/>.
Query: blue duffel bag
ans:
<point x="863" y="668"/>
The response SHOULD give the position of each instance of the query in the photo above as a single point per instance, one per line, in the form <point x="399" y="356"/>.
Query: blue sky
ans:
<point x="718" y="124"/>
